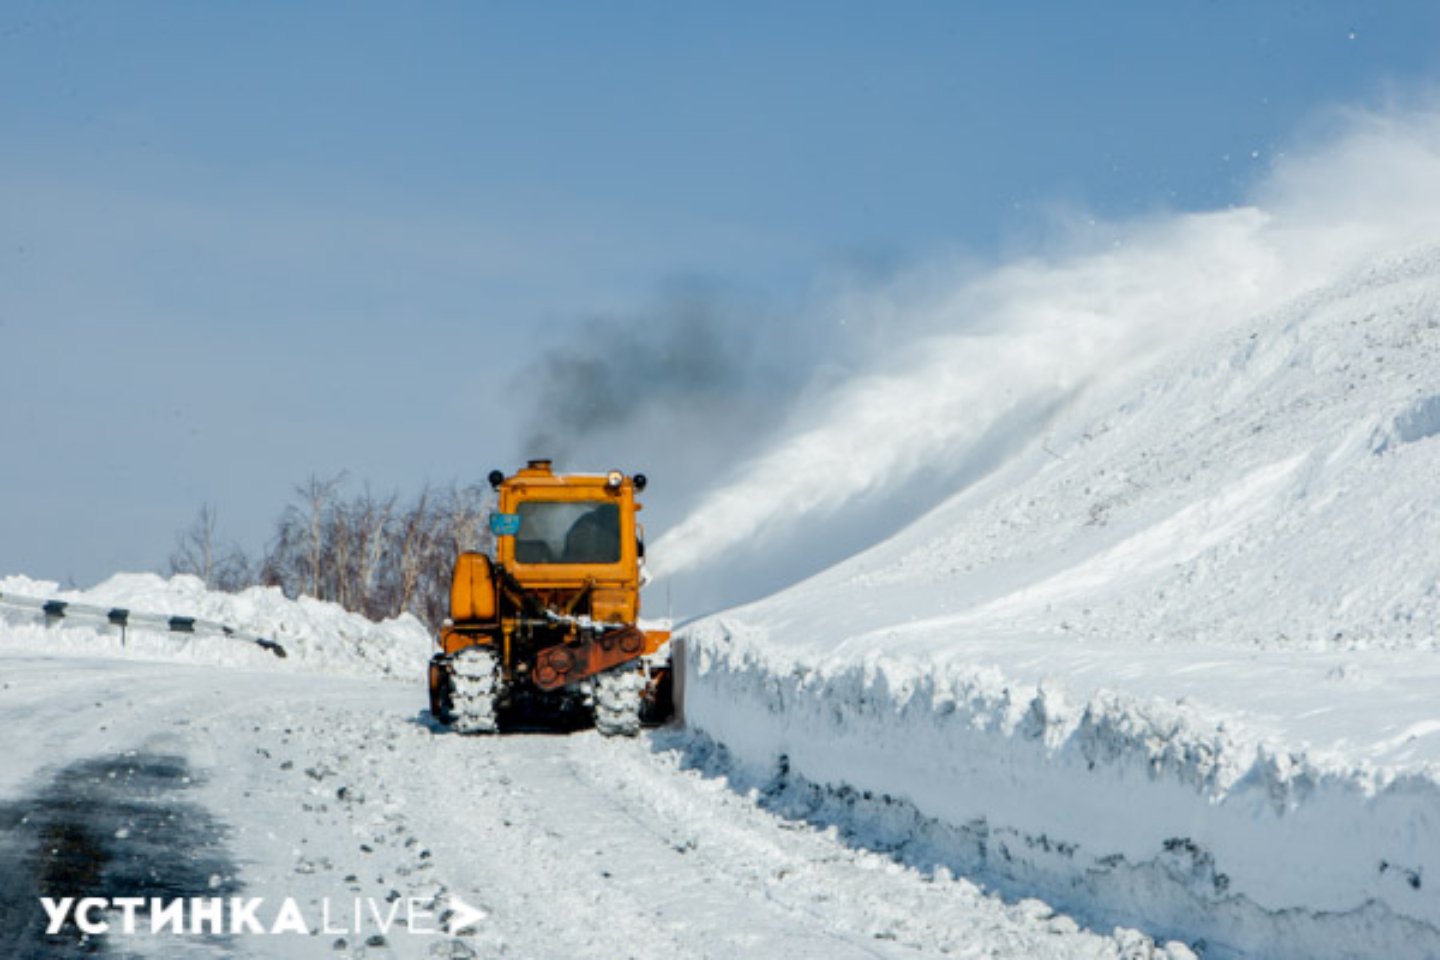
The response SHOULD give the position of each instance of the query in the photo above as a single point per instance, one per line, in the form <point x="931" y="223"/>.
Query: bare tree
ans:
<point x="339" y="538"/>
<point x="195" y="547"/>
<point x="367" y="523"/>
<point x="416" y="535"/>
<point x="316" y="497"/>
<point x="234" y="571"/>
<point x="283" y="565"/>
<point x="198" y="551"/>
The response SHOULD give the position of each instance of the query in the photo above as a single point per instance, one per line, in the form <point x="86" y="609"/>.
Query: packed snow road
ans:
<point x="125" y="778"/>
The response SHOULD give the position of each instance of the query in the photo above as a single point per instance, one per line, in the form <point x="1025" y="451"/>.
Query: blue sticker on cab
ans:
<point x="504" y="524"/>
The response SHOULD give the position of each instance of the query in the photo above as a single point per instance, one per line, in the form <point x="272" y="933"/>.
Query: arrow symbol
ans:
<point x="463" y="915"/>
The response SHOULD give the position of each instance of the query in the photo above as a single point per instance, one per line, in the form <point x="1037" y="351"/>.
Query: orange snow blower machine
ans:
<point x="549" y="629"/>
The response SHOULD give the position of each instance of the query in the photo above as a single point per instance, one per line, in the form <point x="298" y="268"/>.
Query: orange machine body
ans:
<point x="560" y="601"/>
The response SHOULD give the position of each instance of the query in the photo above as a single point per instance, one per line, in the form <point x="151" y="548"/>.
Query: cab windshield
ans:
<point x="568" y="531"/>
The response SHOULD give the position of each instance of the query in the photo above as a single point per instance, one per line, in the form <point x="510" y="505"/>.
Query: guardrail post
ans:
<point x="121" y="619"/>
<point x="54" y="610"/>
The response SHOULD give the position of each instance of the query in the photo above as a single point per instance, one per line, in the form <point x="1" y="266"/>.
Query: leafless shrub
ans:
<point x="374" y="555"/>
<point x="199" y="552"/>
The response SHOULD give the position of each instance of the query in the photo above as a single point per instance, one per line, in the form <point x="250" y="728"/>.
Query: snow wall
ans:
<point x="1118" y="811"/>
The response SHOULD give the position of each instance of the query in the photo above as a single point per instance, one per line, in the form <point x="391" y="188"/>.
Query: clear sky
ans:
<point x="245" y="243"/>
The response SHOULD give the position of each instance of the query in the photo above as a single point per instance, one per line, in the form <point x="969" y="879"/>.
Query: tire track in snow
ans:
<point x="576" y="846"/>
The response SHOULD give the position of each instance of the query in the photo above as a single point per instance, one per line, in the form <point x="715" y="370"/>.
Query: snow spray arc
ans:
<point x="215" y="916"/>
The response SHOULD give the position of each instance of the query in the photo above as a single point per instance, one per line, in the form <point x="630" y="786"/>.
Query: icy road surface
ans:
<point x="159" y="779"/>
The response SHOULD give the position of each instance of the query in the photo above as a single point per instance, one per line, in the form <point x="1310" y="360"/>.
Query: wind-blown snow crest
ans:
<point x="316" y="635"/>
<point x="1015" y="346"/>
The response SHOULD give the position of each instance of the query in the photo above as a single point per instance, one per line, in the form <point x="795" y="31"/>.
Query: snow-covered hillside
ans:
<point x="1174" y="662"/>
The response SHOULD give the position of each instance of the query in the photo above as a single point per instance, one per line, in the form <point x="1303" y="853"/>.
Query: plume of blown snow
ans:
<point x="1015" y="344"/>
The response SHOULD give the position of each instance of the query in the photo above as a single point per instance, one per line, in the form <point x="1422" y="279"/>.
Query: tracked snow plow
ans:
<point x="548" y="630"/>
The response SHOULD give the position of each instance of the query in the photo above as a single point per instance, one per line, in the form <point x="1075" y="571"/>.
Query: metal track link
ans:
<point x="618" y="701"/>
<point x="475" y="686"/>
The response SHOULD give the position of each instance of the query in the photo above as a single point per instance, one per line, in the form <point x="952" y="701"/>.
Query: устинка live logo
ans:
<point x="213" y="916"/>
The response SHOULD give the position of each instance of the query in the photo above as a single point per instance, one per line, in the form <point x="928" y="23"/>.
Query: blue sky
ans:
<point x="245" y="243"/>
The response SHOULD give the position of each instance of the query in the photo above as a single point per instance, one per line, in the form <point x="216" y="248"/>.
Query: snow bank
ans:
<point x="1119" y="810"/>
<point x="316" y="635"/>
<point x="1173" y="663"/>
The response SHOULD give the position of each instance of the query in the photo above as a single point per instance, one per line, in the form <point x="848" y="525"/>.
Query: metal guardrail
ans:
<point x="55" y="610"/>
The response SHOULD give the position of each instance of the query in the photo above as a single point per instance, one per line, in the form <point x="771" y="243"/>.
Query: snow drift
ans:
<point x="1168" y="659"/>
<point x="315" y="634"/>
